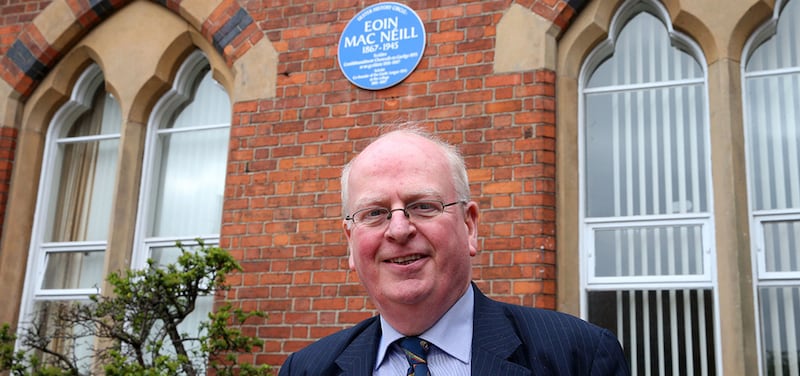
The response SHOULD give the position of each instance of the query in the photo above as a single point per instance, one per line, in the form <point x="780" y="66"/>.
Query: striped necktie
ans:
<point x="415" y="349"/>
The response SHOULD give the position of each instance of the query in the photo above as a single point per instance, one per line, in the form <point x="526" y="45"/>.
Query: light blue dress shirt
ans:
<point x="450" y="337"/>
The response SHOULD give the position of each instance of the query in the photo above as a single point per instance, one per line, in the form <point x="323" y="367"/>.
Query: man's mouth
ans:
<point x="405" y="260"/>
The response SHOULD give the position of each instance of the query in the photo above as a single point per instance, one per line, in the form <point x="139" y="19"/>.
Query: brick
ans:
<point x="502" y="188"/>
<point x="507" y="106"/>
<point x="446" y="37"/>
<point x="527" y="287"/>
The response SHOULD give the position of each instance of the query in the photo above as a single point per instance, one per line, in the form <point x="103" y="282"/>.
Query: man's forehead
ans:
<point x="397" y="150"/>
<point x="399" y="141"/>
<point x="398" y="156"/>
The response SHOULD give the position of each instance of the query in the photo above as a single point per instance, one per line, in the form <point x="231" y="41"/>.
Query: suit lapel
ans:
<point x="358" y="358"/>
<point x="493" y="340"/>
<point x="493" y="343"/>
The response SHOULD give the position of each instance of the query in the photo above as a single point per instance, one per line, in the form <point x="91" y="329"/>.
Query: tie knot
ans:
<point x="416" y="350"/>
<point x="415" y="345"/>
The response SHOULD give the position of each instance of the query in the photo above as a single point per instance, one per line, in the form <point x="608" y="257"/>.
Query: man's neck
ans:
<point x="458" y="319"/>
<point x="413" y="320"/>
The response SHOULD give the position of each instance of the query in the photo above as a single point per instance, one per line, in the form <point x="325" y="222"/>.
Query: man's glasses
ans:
<point x="417" y="211"/>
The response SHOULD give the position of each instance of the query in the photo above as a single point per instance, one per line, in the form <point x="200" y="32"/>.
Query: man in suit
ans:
<point x="412" y="231"/>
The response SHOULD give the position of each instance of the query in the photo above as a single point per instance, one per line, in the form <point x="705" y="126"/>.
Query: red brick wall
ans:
<point x="282" y="215"/>
<point x="14" y="14"/>
<point x="8" y="137"/>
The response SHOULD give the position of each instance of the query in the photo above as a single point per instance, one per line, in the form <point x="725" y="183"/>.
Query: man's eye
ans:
<point x="376" y="212"/>
<point x="424" y="207"/>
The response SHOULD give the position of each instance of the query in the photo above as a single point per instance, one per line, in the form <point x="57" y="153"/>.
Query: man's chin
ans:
<point x="408" y="292"/>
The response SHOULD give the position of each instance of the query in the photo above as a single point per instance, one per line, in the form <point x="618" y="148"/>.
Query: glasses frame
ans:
<point x="405" y="210"/>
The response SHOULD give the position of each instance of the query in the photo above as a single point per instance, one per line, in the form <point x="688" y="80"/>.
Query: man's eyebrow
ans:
<point x="366" y="202"/>
<point x="407" y="199"/>
<point x="425" y="194"/>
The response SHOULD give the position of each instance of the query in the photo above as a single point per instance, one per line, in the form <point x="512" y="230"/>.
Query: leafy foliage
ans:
<point x="136" y="330"/>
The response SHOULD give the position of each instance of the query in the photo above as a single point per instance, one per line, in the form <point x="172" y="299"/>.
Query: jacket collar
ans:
<point x="358" y="358"/>
<point x="494" y="341"/>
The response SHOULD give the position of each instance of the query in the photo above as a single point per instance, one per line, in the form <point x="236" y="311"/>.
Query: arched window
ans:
<point x="183" y="179"/>
<point x="647" y="245"/>
<point x="74" y="203"/>
<point x="185" y="163"/>
<point x="184" y="172"/>
<point x="771" y="92"/>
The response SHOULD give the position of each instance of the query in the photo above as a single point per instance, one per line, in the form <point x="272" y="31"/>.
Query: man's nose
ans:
<point x="391" y="212"/>
<point x="400" y="227"/>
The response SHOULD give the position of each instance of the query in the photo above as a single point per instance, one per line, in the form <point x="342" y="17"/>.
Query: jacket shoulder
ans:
<point x="550" y="342"/>
<point x="319" y="358"/>
<point x="529" y="321"/>
<point x="540" y="323"/>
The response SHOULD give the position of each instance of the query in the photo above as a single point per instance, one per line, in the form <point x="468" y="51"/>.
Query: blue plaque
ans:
<point x="381" y="45"/>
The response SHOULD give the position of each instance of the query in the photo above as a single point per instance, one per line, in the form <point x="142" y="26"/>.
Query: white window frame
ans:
<point x="80" y="100"/>
<point x="594" y="282"/>
<point x="588" y="281"/>
<point x="758" y="218"/>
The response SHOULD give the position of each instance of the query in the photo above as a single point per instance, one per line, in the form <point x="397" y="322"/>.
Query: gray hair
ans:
<point x="458" y="168"/>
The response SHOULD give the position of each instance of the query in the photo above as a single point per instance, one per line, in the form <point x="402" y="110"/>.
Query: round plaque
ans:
<point x="381" y="45"/>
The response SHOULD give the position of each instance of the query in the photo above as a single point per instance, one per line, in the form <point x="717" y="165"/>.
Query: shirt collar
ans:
<point x="458" y="319"/>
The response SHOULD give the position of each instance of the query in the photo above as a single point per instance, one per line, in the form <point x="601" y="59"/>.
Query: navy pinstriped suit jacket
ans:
<point x="507" y="340"/>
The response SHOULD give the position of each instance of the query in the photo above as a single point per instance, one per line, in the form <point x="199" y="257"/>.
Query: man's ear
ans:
<point x="346" y="226"/>
<point x="471" y="217"/>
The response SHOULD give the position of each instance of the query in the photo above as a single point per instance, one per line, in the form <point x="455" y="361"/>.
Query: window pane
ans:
<point x="192" y="324"/>
<point x="649" y="251"/>
<point x="780" y="50"/>
<point x="664" y="332"/>
<point x="191" y="162"/>
<point x="773" y="127"/>
<point x="104" y="118"/>
<point x="165" y="255"/>
<point x="191" y="183"/>
<point x="780" y="329"/>
<point x="782" y="246"/>
<point x="80" y="207"/>
<point x="210" y="106"/>
<point x="65" y="337"/>
<point x="644" y="54"/>
<point x="646" y="152"/>
<point x="73" y="270"/>
<point x="190" y="330"/>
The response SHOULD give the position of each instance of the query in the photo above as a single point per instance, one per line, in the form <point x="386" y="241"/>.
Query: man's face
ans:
<point x="408" y="262"/>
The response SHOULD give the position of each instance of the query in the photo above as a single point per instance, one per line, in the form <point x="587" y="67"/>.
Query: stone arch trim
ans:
<point x="720" y="43"/>
<point x="750" y="21"/>
<point x="226" y="25"/>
